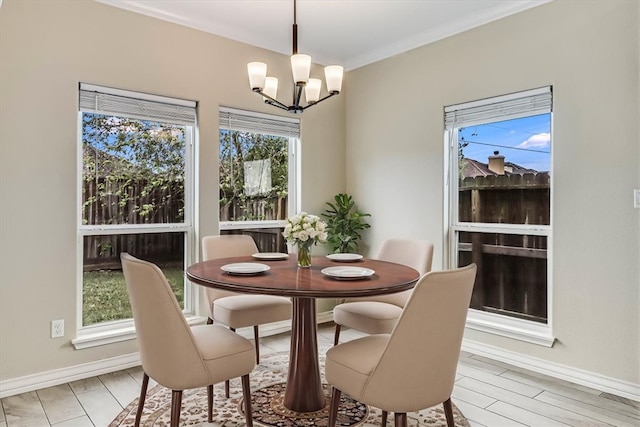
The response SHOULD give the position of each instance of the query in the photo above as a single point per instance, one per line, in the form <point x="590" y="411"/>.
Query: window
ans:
<point x="135" y="195"/>
<point x="499" y="201"/>
<point x="258" y="175"/>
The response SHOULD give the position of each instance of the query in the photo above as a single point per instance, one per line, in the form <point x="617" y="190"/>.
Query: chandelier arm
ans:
<point x="278" y="105"/>
<point x="326" y="97"/>
<point x="311" y="104"/>
<point x="272" y="101"/>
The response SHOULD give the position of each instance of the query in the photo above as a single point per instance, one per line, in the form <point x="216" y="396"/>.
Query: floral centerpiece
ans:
<point x="305" y="230"/>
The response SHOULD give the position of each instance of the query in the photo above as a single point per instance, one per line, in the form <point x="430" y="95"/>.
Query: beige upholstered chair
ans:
<point x="175" y="355"/>
<point x="414" y="367"/>
<point x="378" y="315"/>
<point x="240" y="310"/>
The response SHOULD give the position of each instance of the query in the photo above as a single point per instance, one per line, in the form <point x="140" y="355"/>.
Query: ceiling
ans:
<point x="351" y="33"/>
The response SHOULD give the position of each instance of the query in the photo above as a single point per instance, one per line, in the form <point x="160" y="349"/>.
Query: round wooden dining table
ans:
<point x="303" y="392"/>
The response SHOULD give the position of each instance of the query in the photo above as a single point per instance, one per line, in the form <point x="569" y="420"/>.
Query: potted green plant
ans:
<point x="344" y="224"/>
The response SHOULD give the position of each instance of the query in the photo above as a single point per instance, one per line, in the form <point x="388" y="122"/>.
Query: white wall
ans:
<point x="46" y="49"/>
<point x="590" y="54"/>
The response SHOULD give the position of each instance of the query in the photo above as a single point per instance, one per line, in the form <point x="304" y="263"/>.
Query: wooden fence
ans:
<point x="254" y="208"/>
<point x="515" y="199"/>
<point x="132" y="202"/>
<point x="512" y="269"/>
<point x="257" y="208"/>
<point x="102" y="252"/>
<point x="123" y="201"/>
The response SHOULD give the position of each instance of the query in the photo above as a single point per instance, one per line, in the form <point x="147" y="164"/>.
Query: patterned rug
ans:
<point x="267" y="384"/>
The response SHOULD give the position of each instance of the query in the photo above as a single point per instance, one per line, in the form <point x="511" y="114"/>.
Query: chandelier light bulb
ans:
<point x="312" y="90"/>
<point x="270" y="87"/>
<point x="333" y="75"/>
<point x="257" y="74"/>
<point x="300" y="67"/>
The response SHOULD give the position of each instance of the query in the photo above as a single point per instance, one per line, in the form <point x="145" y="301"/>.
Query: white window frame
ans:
<point x="276" y="125"/>
<point x="121" y="330"/>
<point x="511" y="106"/>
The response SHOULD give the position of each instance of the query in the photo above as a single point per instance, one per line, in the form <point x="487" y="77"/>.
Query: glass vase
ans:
<point x="304" y="255"/>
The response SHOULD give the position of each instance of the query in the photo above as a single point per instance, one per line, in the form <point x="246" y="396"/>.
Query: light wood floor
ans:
<point x="488" y="393"/>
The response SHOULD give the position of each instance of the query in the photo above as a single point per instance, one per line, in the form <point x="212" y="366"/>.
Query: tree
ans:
<point x="461" y="145"/>
<point x="236" y="148"/>
<point x="462" y="161"/>
<point x="133" y="170"/>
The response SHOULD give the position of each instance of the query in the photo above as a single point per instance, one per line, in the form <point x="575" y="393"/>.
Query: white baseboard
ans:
<point x="55" y="377"/>
<point x="556" y="370"/>
<point x="64" y="375"/>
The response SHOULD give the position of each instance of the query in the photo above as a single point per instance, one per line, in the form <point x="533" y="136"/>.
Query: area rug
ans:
<point x="267" y="384"/>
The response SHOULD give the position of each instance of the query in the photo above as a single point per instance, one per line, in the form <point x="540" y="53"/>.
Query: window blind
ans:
<point x="103" y="100"/>
<point x="506" y="107"/>
<point x="249" y="121"/>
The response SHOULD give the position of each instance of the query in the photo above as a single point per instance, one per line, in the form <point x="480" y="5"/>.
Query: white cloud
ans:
<point x="537" y="141"/>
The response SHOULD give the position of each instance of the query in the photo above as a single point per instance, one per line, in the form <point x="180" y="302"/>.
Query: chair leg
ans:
<point x="448" y="412"/>
<point x="400" y="419"/>
<point x="176" y="404"/>
<point x="143" y="395"/>
<point x="336" y="335"/>
<point x="333" y="407"/>
<point x="210" y="403"/>
<point x="226" y="383"/>
<point x="384" y="418"/>
<point x="246" y="393"/>
<point x="257" y="340"/>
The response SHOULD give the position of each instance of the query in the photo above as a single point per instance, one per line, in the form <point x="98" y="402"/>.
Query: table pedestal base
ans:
<point x="304" y="388"/>
<point x="268" y="409"/>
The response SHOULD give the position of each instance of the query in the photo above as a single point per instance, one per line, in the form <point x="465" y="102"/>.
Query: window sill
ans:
<point x="250" y="225"/>
<point x="522" y="330"/>
<point x="94" y="337"/>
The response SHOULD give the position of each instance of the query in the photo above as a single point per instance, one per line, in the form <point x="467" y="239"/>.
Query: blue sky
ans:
<point x="525" y="141"/>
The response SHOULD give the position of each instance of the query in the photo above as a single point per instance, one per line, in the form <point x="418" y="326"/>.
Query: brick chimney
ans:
<point x="496" y="163"/>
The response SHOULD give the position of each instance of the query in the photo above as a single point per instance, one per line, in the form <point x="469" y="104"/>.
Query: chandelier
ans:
<point x="300" y="68"/>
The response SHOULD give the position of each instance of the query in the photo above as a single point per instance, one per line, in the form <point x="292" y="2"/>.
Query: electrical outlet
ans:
<point x="57" y="328"/>
<point x="636" y="199"/>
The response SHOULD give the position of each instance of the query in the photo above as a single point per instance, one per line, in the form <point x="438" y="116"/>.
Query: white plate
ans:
<point x="245" y="268"/>
<point x="345" y="257"/>
<point x="347" y="273"/>
<point x="270" y="255"/>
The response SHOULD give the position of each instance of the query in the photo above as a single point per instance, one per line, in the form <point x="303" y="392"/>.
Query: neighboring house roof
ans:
<point x="473" y="168"/>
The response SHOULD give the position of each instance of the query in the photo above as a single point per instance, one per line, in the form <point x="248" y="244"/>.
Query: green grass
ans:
<point x="105" y="295"/>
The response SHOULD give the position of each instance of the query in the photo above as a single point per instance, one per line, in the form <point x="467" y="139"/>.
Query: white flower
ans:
<point x="304" y="228"/>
